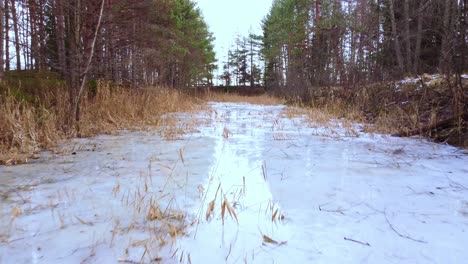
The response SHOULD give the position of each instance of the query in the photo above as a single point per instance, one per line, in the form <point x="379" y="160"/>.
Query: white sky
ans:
<point x="225" y="18"/>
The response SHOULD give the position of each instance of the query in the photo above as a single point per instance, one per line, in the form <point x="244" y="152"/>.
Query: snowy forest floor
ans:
<point x="238" y="183"/>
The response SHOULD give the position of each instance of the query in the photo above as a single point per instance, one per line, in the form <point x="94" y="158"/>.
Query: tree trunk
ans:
<point x="26" y="39"/>
<point x="2" y="41"/>
<point x="251" y="63"/>
<point x="7" y="35"/>
<point x="42" y="49"/>
<point x="406" y="11"/>
<point x="395" y="38"/>
<point x="17" y="40"/>
<point x="417" y="52"/>
<point x="73" y="38"/>
<point x="87" y="67"/>
<point x="33" y="34"/>
<point x="60" y="38"/>
<point x="446" y="32"/>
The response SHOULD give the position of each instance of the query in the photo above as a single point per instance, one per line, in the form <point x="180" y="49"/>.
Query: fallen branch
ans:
<point x="401" y="235"/>
<point x="339" y="210"/>
<point x="356" y="241"/>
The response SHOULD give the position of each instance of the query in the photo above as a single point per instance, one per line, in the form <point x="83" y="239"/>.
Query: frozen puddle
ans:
<point x="248" y="186"/>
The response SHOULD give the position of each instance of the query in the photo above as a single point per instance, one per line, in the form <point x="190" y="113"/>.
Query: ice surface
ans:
<point x="301" y="193"/>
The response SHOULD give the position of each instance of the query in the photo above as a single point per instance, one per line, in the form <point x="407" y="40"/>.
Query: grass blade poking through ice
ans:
<point x="211" y="205"/>
<point x="210" y="209"/>
<point x="230" y="210"/>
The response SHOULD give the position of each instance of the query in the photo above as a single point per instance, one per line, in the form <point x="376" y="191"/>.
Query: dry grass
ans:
<point x="29" y="126"/>
<point x="263" y="99"/>
<point x="331" y="117"/>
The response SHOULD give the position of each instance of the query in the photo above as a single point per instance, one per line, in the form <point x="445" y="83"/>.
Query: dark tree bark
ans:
<point x="407" y="34"/>
<point x="395" y="37"/>
<point x="60" y="37"/>
<point x="419" y="32"/>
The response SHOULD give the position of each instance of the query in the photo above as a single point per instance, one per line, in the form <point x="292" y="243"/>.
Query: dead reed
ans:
<point x="28" y="126"/>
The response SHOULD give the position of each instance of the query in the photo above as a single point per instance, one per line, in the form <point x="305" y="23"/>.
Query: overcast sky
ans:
<point x="225" y="18"/>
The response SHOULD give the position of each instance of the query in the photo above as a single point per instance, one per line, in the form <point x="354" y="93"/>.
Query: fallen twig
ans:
<point x="457" y="184"/>
<point x="339" y="210"/>
<point x="356" y="241"/>
<point x="401" y="235"/>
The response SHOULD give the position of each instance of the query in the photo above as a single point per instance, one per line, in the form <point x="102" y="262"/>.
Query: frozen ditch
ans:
<point x="248" y="185"/>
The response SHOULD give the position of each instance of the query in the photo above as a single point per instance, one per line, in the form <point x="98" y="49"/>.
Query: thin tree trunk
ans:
<point x="2" y="41"/>
<point x="251" y="63"/>
<point x="25" y="38"/>
<point x="444" y="52"/>
<point x="417" y="52"/>
<point x="406" y="11"/>
<point x="60" y="32"/>
<point x="7" y="35"/>
<point x="88" y="65"/>
<point x="42" y="49"/>
<point x="17" y="40"/>
<point x="73" y="38"/>
<point x="395" y="37"/>
<point x="464" y="24"/>
<point x="33" y="34"/>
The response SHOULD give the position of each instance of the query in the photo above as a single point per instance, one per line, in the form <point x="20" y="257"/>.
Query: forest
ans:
<point x="321" y="43"/>
<point x="133" y="42"/>
<point x="334" y="132"/>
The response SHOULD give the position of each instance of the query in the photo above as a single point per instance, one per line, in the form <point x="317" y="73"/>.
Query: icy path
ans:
<point x="294" y="196"/>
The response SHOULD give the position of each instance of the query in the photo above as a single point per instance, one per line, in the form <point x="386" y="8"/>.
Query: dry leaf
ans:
<point x="154" y="213"/>
<point x="230" y="210"/>
<point x="223" y="211"/>
<point x="15" y="212"/>
<point x="210" y="209"/>
<point x="172" y="230"/>
<point x="274" y="215"/>
<point x="267" y="239"/>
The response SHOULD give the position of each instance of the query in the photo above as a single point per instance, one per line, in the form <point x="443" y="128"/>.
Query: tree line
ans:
<point x="131" y="42"/>
<point x="243" y="64"/>
<point x="310" y="43"/>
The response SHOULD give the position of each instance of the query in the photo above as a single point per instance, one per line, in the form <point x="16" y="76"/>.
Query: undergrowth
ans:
<point x="264" y="99"/>
<point x="432" y="108"/>
<point x="32" y="122"/>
